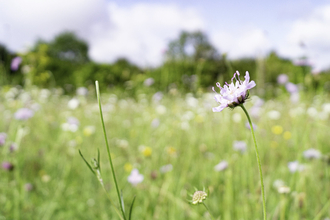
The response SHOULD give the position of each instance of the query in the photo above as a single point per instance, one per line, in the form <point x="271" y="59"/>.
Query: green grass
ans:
<point x="73" y="192"/>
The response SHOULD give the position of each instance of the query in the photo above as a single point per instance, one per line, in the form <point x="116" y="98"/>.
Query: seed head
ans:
<point x="198" y="197"/>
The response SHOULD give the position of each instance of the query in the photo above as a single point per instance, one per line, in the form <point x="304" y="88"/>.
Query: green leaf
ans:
<point x="122" y="201"/>
<point x="89" y="166"/>
<point x="98" y="159"/>
<point x="131" y="209"/>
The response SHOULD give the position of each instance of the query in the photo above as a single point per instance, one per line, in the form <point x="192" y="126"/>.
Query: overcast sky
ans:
<point x="140" y="30"/>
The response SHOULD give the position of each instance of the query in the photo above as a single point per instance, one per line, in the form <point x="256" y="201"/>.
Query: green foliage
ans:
<point x="192" y="63"/>
<point x="64" y="188"/>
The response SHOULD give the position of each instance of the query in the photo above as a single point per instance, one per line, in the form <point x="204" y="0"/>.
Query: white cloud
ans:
<point x="141" y="32"/>
<point x="251" y="42"/>
<point x="314" y="31"/>
<point x="23" y="22"/>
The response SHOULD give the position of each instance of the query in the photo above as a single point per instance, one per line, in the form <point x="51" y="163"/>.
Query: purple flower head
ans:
<point x="221" y="166"/>
<point x="282" y="79"/>
<point x="73" y="121"/>
<point x="295" y="166"/>
<point x="23" y="114"/>
<point x="7" y="166"/>
<point x="291" y="88"/>
<point x="3" y="137"/>
<point x="13" y="147"/>
<point x="235" y="93"/>
<point x="15" y="62"/>
<point x="148" y="82"/>
<point x="135" y="177"/>
<point x="312" y="154"/>
<point x="240" y="146"/>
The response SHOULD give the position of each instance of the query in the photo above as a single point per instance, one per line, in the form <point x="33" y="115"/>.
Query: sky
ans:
<point x="140" y="30"/>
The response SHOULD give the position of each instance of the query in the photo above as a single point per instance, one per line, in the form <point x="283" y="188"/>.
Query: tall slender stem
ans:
<point x="108" y="149"/>
<point x="259" y="164"/>
<point x="208" y="210"/>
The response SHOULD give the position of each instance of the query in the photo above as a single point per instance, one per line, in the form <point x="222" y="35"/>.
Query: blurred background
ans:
<point x="187" y="44"/>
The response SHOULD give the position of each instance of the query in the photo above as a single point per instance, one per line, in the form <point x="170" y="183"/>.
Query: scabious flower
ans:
<point x="148" y="82"/>
<point x="282" y="79"/>
<point x="198" y="197"/>
<point x="221" y="166"/>
<point x="135" y="177"/>
<point x="7" y="166"/>
<point x="295" y="166"/>
<point x="240" y="146"/>
<point x="233" y="94"/>
<point x="15" y="62"/>
<point x="312" y="154"/>
<point x="291" y="88"/>
<point x="23" y="114"/>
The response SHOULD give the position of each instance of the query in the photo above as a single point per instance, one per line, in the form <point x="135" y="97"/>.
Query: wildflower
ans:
<point x="3" y="137"/>
<point x="128" y="167"/>
<point x="287" y="135"/>
<point x="166" y="168"/>
<point x="278" y="183"/>
<point x="291" y="88"/>
<point x="73" y="103"/>
<point x="23" y="114"/>
<point x="312" y="154"/>
<point x="82" y="91"/>
<point x="7" y="166"/>
<point x="149" y="82"/>
<point x="294" y="97"/>
<point x="282" y="79"/>
<point x="283" y="189"/>
<point x="295" y="166"/>
<point x="274" y="115"/>
<point x="312" y="112"/>
<point x="160" y="109"/>
<point x="147" y="151"/>
<point x="122" y="143"/>
<point x="240" y="146"/>
<point x="89" y="130"/>
<point x="198" y="197"/>
<point x="135" y="177"/>
<point x="221" y="166"/>
<point x="72" y="124"/>
<point x="157" y="97"/>
<point x="15" y="62"/>
<point x="13" y="147"/>
<point x="232" y="95"/>
<point x="277" y="129"/>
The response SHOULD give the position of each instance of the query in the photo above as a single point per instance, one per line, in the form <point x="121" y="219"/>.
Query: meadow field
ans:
<point x="176" y="142"/>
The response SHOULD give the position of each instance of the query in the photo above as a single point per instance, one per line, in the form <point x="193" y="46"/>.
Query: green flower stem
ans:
<point x="208" y="210"/>
<point x="259" y="164"/>
<point x="108" y="149"/>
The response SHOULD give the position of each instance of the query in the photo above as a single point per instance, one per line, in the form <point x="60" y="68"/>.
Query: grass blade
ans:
<point x="131" y="209"/>
<point x="89" y="166"/>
